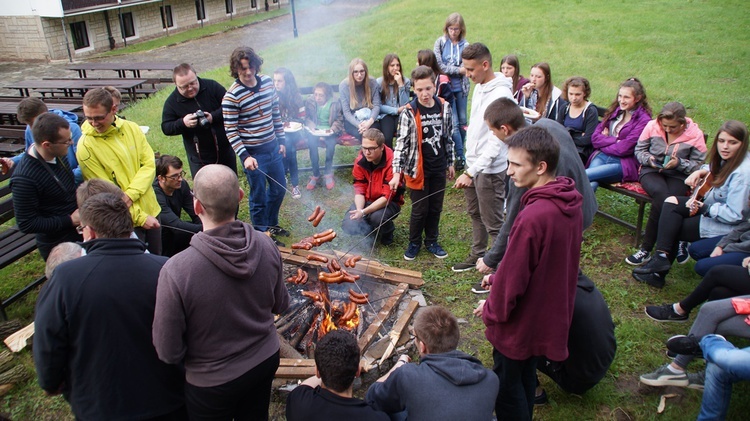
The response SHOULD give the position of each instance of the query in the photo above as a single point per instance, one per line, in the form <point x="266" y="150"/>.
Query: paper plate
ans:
<point x="528" y="112"/>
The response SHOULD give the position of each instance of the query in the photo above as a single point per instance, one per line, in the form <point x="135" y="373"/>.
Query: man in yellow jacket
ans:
<point x="116" y="150"/>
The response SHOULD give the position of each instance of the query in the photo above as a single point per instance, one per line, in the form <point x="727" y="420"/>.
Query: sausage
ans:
<point x="292" y="279"/>
<point x="352" y="261"/>
<point x="327" y="238"/>
<point x="356" y="259"/>
<point x="312" y="295"/>
<point x="335" y="265"/>
<point x="318" y="218"/>
<point x="314" y="214"/>
<point x="353" y="277"/>
<point x="323" y="234"/>
<point x="302" y="246"/>
<point x="329" y="266"/>
<point x="350" y="309"/>
<point x="304" y="278"/>
<point x="317" y="258"/>
<point x="330" y="278"/>
<point x="347" y="277"/>
<point x="355" y="294"/>
<point x="358" y="300"/>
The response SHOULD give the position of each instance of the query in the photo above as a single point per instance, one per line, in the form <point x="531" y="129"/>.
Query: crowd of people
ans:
<point x="528" y="160"/>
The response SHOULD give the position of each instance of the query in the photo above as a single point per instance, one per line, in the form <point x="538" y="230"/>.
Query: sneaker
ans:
<point x="638" y="258"/>
<point x="467" y="264"/>
<point x="412" y="251"/>
<point x="312" y="183"/>
<point x="685" y="345"/>
<point x="665" y="313"/>
<point x="682" y="252"/>
<point x="296" y="194"/>
<point x="438" y="251"/>
<point x="664" y="377"/>
<point x="696" y="380"/>
<point x="541" y="399"/>
<point x="656" y="280"/>
<point x="277" y="242"/>
<point x="277" y="230"/>
<point x="656" y="264"/>
<point x="330" y="184"/>
<point x="387" y="239"/>
<point x="479" y="289"/>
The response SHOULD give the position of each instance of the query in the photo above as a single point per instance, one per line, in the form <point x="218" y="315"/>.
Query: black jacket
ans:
<point x="92" y="336"/>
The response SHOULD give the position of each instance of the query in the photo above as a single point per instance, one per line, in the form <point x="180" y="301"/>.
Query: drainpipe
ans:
<point x="122" y="27"/>
<point x="109" y="31"/>
<point x="67" y="43"/>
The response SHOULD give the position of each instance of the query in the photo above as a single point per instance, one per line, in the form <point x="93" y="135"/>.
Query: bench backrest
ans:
<point x="6" y="201"/>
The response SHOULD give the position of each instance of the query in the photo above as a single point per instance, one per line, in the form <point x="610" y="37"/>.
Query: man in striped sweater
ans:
<point x="253" y="125"/>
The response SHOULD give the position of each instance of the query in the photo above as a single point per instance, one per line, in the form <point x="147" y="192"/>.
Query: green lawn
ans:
<point x="688" y="51"/>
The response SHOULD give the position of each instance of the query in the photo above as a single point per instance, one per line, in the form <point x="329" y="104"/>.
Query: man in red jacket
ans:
<point x="530" y="307"/>
<point x="375" y="204"/>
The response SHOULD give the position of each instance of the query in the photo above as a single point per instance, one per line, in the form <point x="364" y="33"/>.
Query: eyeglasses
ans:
<point x="68" y="141"/>
<point x="358" y="72"/>
<point x="176" y="177"/>
<point x="194" y="82"/>
<point x="97" y="118"/>
<point x="454" y="29"/>
<point x="79" y="229"/>
<point x="370" y="150"/>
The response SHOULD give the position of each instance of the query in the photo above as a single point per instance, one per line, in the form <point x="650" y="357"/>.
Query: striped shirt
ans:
<point x="251" y="117"/>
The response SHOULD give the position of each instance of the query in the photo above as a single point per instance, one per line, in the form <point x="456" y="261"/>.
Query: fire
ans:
<point x="328" y="324"/>
<point x="352" y="323"/>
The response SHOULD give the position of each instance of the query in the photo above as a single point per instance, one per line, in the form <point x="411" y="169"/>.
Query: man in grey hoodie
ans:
<point x="215" y="306"/>
<point x="447" y="384"/>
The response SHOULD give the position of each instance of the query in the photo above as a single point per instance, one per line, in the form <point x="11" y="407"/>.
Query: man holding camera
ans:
<point x="193" y="110"/>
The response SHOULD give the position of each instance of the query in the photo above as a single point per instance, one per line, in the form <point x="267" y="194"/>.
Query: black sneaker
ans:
<point x="467" y="264"/>
<point x="638" y="258"/>
<point x="479" y="289"/>
<point x="654" y="279"/>
<point x="541" y="399"/>
<point x="412" y="251"/>
<point x="438" y="251"/>
<point x="682" y="252"/>
<point x="665" y="313"/>
<point x="277" y="230"/>
<point x="685" y="345"/>
<point x="277" y="242"/>
<point x="657" y="264"/>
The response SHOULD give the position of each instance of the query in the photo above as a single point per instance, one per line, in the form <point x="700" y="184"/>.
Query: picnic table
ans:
<point x="122" y="69"/>
<point x="8" y="110"/>
<point x="75" y="87"/>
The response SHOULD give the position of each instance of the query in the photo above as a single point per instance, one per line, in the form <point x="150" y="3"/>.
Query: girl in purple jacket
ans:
<point x="615" y="137"/>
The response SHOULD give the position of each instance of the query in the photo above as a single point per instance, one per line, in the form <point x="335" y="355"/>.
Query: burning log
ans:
<point x="286" y="350"/>
<point x="304" y="328"/>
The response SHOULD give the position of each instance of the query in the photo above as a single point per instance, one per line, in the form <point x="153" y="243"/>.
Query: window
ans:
<point x="80" y="35"/>
<point x="166" y="16"/>
<point x="254" y="4"/>
<point x="229" y="6"/>
<point x="200" y="10"/>
<point x="128" y="26"/>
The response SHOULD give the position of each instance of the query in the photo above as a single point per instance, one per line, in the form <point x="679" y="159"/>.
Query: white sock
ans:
<point x="675" y="370"/>
<point x="676" y="310"/>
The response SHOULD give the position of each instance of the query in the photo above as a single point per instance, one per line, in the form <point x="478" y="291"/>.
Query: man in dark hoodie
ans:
<point x="447" y="384"/>
<point x="530" y="307"/>
<point x="215" y="306"/>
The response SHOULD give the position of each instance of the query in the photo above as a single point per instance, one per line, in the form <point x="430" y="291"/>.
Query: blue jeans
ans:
<point x="604" y="168"/>
<point x="458" y="107"/>
<point x="266" y="192"/>
<point x="290" y="161"/>
<point x="312" y="144"/>
<point x="726" y="365"/>
<point x="701" y="250"/>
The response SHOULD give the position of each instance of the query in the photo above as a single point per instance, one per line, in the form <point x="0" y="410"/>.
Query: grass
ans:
<point x="686" y="51"/>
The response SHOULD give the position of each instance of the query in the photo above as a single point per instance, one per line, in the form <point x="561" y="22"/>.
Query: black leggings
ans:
<point x="388" y="126"/>
<point x="676" y="224"/>
<point x="659" y="187"/>
<point x="723" y="281"/>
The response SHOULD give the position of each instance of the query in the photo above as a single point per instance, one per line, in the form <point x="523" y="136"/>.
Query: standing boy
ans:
<point x="424" y="151"/>
<point x="530" y="307"/>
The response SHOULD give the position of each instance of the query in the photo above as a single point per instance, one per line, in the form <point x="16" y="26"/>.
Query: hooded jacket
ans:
<point x="582" y="139"/>
<point x="689" y="148"/>
<point x="448" y="386"/>
<point x="215" y="304"/>
<point x="75" y="134"/>
<point x="530" y="306"/>
<point x="552" y="109"/>
<point x="371" y="181"/>
<point x="622" y="145"/>
<point x="123" y="156"/>
<point x="484" y="152"/>
<point x="445" y="50"/>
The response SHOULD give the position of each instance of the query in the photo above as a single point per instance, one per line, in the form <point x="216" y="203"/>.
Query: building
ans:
<point x="72" y="29"/>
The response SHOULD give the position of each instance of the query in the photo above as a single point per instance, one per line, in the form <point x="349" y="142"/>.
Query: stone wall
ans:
<point x="34" y="38"/>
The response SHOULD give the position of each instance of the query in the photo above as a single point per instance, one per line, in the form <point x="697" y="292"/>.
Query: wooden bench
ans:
<point x="13" y="245"/>
<point x="641" y="199"/>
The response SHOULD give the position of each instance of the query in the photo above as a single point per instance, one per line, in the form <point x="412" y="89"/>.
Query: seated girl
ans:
<point x="292" y="109"/>
<point x="687" y="219"/>
<point x="360" y="99"/>
<point x="615" y="137"/>
<point x="324" y="122"/>
<point x="394" y="95"/>
<point x="510" y="67"/>
<point x="579" y="115"/>
<point x="670" y="148"/>
<point x="730" y="249"/>
<point x="540" y="94"/>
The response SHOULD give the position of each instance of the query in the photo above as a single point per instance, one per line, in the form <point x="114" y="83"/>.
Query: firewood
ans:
<point x="9" y="327"/>
<point x="17" y="341"/>
<point x="6" y="361"/>
<point x="286" y="350"/>
<point x="5" y="388"/>
<point x="16" y="374"/>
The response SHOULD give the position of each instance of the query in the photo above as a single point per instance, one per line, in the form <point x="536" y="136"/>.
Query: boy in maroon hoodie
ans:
<point x="530" y="306"/>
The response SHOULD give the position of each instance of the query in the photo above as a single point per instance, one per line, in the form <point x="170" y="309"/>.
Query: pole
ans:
<point x="294" y="19"/>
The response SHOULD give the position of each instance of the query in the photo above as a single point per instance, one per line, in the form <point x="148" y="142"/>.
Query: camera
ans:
<point x="202" y="120"/>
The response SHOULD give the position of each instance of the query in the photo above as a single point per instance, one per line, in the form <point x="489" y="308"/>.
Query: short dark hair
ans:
<point x="504" y="111"/>
<point x="182" y="69"/>
<point x="326" y="89"/>
<point x="673" y="111"/>
<point x="477" y="51"/>
<point x="437" y="328"/>
<point x="47" y="128"/>
<point x="243" y="53"/>
<point x="337" y="359"/>
<point x="217" y="188"/>
<point x="422" y="72"/>
<point x="98" y="96"/>
<point x="374" y="134"/>
<point x="108" y="215"/>
<point x="539" y="144"/>
<point x="93" y="187"/>
<point x="29" y="109"/>
<point x="164" y="162"/>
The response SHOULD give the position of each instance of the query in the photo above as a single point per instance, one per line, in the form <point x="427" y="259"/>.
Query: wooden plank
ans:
<point x="296" y="362"/>
<point x="385" y="312"/>
<point x="290" y="368"/>
<point x="398" y="328"/>
<point x="17" y="341"/>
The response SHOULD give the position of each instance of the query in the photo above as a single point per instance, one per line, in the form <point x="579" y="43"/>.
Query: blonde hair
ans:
<point x="353" y="101"/>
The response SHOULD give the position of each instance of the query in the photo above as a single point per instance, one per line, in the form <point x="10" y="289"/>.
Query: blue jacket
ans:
<point x="75" y="131"/>
<point x="727" y="203"/>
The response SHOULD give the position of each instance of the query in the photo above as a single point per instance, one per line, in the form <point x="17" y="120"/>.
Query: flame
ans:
<point x="352" y="323"/>
<point x="326" y="325"/>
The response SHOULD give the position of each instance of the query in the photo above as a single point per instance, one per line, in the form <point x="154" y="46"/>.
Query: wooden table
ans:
<point x="75" y="87"/>
<point x="8" y="110"/>
<point x="121" y="68"/>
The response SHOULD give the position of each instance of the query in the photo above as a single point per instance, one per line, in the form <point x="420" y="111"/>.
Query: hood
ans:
<point x="229" y="247"/>
<point x="457" y="367"/>
<point x="71" y="117"/>
<point x="562" y="192"/>
<point x="693" y="135"/>
<point x="500" y="81"/>
<point x="89" y="130"/>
